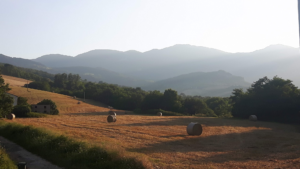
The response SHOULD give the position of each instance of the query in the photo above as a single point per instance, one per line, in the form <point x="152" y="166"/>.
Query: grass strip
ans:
<point x="64" y="151"/>
<point x="5" y="161"/>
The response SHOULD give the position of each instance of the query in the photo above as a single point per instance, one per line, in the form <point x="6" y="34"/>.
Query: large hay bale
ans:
<point x="11" y="116"/>
<point x="112" y="113"/>
<point x="159" y="113"/>
<point x="111" y="118"/>
<point x="194" y="129"/>
<point x="253" y="118"/>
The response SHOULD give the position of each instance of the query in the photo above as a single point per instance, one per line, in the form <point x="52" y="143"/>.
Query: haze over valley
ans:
<point x="158" y="69"/>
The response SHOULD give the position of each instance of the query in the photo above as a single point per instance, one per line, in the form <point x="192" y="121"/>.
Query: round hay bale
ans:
<point x="111" y="118"/>
<point x="253" y="118"/>
<point x="78" y="103"/>
<point x="11" y="116"/>
<point x="159" y="113"/>
<point x="194" y="129"/>
<point x="112" y="113"/>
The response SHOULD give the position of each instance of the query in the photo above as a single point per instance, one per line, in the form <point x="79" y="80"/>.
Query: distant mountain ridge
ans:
<point x="20" y="62"/>
<point x="130" y="61"/>
<point x="88" y="73"/>
<point x="141" y="69"/>
<point x="159" y="64"/>
<point x="217" y="83"/>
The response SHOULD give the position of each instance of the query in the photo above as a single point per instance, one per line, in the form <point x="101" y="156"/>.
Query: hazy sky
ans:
<point x="32" y="28"/>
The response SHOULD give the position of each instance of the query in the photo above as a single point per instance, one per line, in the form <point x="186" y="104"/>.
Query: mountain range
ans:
<point x="181" y="67"/>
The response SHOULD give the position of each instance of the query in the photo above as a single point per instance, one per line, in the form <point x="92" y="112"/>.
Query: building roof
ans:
<point x="12" y="94"/>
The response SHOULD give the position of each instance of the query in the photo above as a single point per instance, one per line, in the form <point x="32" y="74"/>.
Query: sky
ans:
<point x="32" y="28"/>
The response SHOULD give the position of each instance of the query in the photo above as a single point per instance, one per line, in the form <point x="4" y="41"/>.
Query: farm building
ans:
<point x="40" y="108"/>
<point x="15" y="98"/>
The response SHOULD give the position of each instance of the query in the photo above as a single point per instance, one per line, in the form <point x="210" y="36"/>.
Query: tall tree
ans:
<point x="6" y="102"/>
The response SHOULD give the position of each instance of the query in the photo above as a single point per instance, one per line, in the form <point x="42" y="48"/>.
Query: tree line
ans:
<point x="273" y="99"/>
<point x="129" y="98"/>
<point x="30" y="74"/>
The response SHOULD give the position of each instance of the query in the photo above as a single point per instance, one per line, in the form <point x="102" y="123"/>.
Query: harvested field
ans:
<point x="15" y="81"/>
<point x="162" y="142"/>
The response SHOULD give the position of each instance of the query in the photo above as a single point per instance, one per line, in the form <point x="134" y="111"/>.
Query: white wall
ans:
<point x="15" y="98"/>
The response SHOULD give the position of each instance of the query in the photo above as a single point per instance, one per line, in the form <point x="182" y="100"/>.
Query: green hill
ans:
<point x="219" y="83"/>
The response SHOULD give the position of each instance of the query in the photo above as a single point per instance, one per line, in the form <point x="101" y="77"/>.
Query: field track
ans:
<point x="162" y="142"/>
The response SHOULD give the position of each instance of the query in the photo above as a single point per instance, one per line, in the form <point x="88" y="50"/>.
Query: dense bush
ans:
<point x="53" y="108"/>
<point x="220" y="106"/>
<point x="269" y="99"/>
<point x="5" y="161"/>
<point x="21" y="110"/>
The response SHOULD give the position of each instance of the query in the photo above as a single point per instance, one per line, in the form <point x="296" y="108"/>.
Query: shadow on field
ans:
<point x="210" y="122"/>
<point x="260" y="145"/>
<point x="99" y="113"/>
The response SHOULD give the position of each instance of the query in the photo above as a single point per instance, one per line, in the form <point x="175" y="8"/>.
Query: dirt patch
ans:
<point x="19" y="154"/>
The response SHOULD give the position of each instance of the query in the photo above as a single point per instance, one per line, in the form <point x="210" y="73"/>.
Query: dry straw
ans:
<point x="253" y="118"/>
<point x="111" y="118"/>
<point x="11" y="116"/>
<point x="194" y="129"/>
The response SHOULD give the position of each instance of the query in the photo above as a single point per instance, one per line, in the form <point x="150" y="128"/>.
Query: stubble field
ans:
<point x="162" y="142"/>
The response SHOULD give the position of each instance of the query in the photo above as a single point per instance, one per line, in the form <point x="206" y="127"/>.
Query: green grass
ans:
<point x="35" y="115"/>
<point x="63" y="151"/>
<point x="5" y="161"/>
<point x="155" y="111"/>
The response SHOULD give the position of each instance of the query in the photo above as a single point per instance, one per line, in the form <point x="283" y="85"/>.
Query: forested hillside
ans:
<point x="25" y="73"/>
<point x="218" y="83"/>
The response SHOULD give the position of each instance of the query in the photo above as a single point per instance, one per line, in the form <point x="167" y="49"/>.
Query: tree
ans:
<point x="197" y="106"/>
<point x="270" y="99"/>
<point x="22" y="101"/>
<point x="6" y="102"/>
<point x="153" y="100"/>
<point x="53" y="108"/>
<point x="171" y="101"/>
<point x="220" y="106"/>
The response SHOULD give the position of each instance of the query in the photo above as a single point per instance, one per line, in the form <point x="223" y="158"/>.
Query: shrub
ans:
<point x="5" y="161"/>
<point x="53" y="108"/>
<point x="21" y="110"/>
<point x="154" y="112"/>
<point x="36" y="115"/>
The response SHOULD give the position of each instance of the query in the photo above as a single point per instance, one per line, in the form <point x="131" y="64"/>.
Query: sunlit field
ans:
<point x="162" y="142"/>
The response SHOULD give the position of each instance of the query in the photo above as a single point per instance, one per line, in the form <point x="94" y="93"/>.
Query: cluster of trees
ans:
<point x="23" y="109"/>
<point x="128" y="98"/>
<point x="269" y="99"/>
